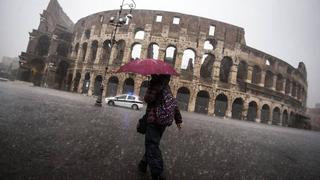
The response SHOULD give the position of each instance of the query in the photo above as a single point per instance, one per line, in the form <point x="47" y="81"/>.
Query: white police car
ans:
<point x="125" y="100"/>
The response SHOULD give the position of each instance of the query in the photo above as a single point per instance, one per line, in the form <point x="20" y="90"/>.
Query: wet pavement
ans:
<point x="49" y="134"/>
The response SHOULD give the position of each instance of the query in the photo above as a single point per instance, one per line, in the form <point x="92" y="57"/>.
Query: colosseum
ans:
<point x="220" y="75"/>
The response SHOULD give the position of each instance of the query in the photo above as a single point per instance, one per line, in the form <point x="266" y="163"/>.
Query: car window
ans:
<point x="131" y="98"/>
<point x="122" y="97"/>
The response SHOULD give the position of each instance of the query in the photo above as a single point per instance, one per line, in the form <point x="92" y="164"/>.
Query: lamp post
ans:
<point x="116" y="22"/>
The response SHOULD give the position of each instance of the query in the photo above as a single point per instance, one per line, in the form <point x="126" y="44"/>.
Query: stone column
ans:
<point x="249" y="74"/>
<point x="83" y="73"/>
<point x="113" y="54"/>
<point x="245" y="110"/>
<point x="178" y="62"/>
<point x="229" y="109"/>
<point x="274" y="82"/>
<point x="120" y="86"/>
<point x="211" y="105"/>
<point x="88" y="54"/>
<point x="233" y="74"/>
<point x="281" y="120"/>
<point x="270" y="115"/>
<point x="192" y="102"/>
<point x="258" y="118"/>
<point x="99" y="52"/>
<point x="161" y="53"/>
<point x="263" y="78"/>
<point x="137" y="85"/>
<point x="216" y="70"/>
<point x="197" y="66"/>
<point x="92" y="83"/>
<point x="283" y="86"/>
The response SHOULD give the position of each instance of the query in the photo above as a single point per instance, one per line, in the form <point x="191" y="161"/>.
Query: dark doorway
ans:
<point x="112" y="86"/>
<point x="202" y="102"/>
<point x="265" y="114"/>
<point x="183" y="96"/>
<point x="252" y="111"/>
<point x="128" y="86"/>
<point x="86" y="83"/>
<point x="221" y="105"/>
<point x="237" y="108"/>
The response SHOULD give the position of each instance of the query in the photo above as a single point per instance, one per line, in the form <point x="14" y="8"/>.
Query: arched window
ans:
<point x="202" y="102"/>
<point x="188" y="59"/>
<point x="128" y="86"/>
<point x="237" y="108"/>
<point x="265" y="114"/>
<point x="225" y="69"/>
<point x="43" y="45"/>
<point x="221" y="105"/>
<point x="252" y="111"/>
<point x="120" y="46"/>
<point x="76" y="50"/>
<point x="136" y="51"/>
<point x="279" y="84"/>
<point x="208" y="45"/>
<point x="139" y="35"/>
<point x="94" y="48"/>
<point x="106" y="52"/>
<point x="183" y="96"/>
<point x="84" y="51"/>
<point x="207" y="66"/>
<point x="268" y="79"/>
<point x="112" y="86"/>
<point x="256" y="75"/>
<point x="242" y="71"/>
<point x="170" y="56"/>
<point x="153" y="51"/>
<point x="276" y="116"/>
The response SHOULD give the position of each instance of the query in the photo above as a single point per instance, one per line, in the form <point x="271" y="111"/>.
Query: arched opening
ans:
<point x="265" y="114"/>
<point x="94" y="49"/>
<point x="237" y="108"/>
<point x="139" y="35"/>
<point x="76" y="49"/>
<point x="188" y="59"/>
<point x="298" y="91"/>
<point x="153" y="51"/>
<point x="276" y="116"/>
<point x="183" y="96"/>
<point x="221" y="105"/>
<point x="37" y="67"/>
<point x="112" y="86"/>
<point x="292" y="119"/>
<point x="202" y="102"/>
<point x="279" y="83"/>
<point x="256" y="75"/>
<point x="207" y="66"/>
<point x="225" y="69"/>
<point x="209" y="44"/>
<point x="84" y="51"/>
<point x="268" y="83"/>
<point x="170" y="56"/>
<point x="143" y="88"/>
<point x="285" y="118"/>
<point x="128" y="86"/>
<point x="61" y="74"/>
<point x="294" y="89"/>
<point x="136" y="51"/>
<point x="76" y="82"/>
<point x="242" y="72"/>
<point x="62" y="50"/>
<point x="43" y="45"/>
<point x="106" y="51"/>
<point x="97" y="85"/>
<point x="86" y="83"/>
<point x="120" y="47"/>
<point x="252" y="111"/>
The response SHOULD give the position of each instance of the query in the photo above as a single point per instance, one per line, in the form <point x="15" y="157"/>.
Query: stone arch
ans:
<point x="237" y="108"/>
<point x="256" y="75"/>
<point x="76" y="49"/>
<point x="139" y="34"/>
<point x="94" y="49"/>
<point x="225" y="69"/>
<point x="97" y="85"/>
<point x="61" y="74"/>
<point x="209" y="44"/>
<point x="37" y="68"/>
<point x="136" y="49"/>
<point x="128" y="86"/>
<point x="183" y="96"/>
<point x="170" y="55"/>
<point x="285" y="118"/>
<point x="106" y="51"/>
<point x="153" y="51"/>
<point x="84" y="51"/>
<point x="120" y="48"/>
<point x="202" y="102"/>
<point x="86" y="83"/>
<point x="42" y="48"/>
<point x="188" y="58"/>
<point x="221" y="105"/>
<point x="207" y="66"/>
<point x="252" y="111"/>
<point x="276" y="116"/>
<point x="62" y="49"/>
<point x="242" y="71"/>
<point x="265" y="113"/>
<point x="76" y="82"/>
<point x="143" y="88"/>
<point x="279" y="83"/>
<point x="112" y="86"/>
<point x="268" y="83"/>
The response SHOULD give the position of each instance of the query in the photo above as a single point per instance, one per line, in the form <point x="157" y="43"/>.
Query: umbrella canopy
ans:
<point x="147" y="67"/>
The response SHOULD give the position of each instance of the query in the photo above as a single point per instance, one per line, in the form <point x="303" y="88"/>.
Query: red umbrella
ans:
<point x="147" y="67"/>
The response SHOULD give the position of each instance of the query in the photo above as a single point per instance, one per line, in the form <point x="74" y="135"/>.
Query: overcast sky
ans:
<point x="287" y="29"/>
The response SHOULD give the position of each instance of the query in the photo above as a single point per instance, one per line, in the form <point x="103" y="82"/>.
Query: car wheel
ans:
<point x="134" y="107"/>
<point x="111" y="103"/>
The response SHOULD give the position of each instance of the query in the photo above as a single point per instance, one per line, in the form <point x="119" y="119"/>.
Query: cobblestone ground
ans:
<point x="49" y="134"/>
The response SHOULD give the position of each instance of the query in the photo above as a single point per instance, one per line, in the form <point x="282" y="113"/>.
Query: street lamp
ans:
<point x="116" y="22"/>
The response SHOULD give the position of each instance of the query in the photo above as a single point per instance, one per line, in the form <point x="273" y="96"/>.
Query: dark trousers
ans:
<point x="153" y="156"/>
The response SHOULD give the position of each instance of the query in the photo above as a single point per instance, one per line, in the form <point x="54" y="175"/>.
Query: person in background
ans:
<point x="161" y="110"/>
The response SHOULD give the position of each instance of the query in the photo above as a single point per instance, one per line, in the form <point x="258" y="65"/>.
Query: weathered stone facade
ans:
<point x="219" y="74"/>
